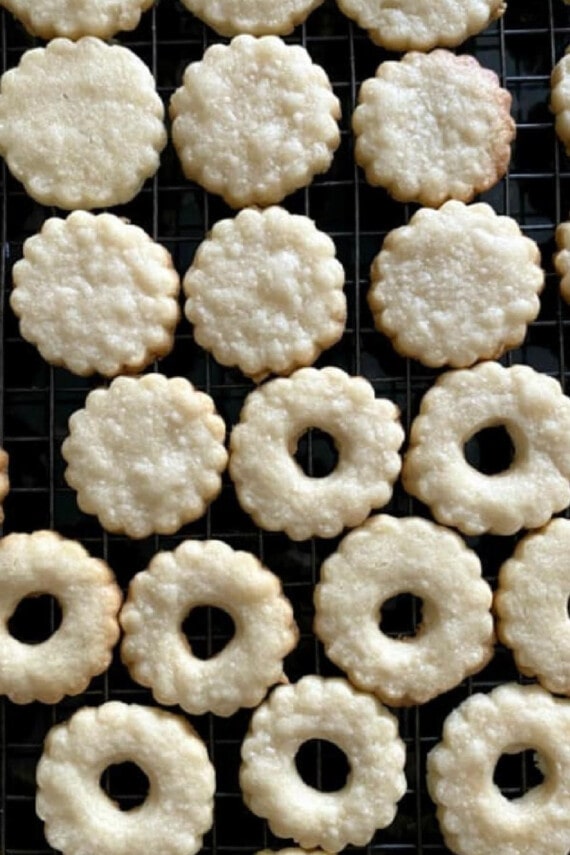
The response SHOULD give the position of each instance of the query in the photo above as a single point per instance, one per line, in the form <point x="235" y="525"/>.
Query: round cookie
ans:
<point x="330" y="709"/>
<point x="386" y="557"/>
<point x="536" y="414"/>
<point x="254" y="120"/>
<point x="258" y="17"/>
<point x="562" y="258"/>
<point x="81" y="647"/>
<point x="200" y="573"/>
<point x="456" y="285"/>
<point x="367" y="434"/>
<point x="532" y="605"/>
<point x="432" y="127"/>
<point x="474" y="816"/>
<point x="81" y="123"/>
<point x="103" y="18"/>
<point x="560" y="99"/>
<point x="265" y="292"/>
<point x="145" y="454"/>
<point x="405" y="25"/>
<point x="95" y="293"/>
<point x="81" y="819"/>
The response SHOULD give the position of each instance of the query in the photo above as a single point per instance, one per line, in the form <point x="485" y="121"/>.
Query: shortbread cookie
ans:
<point x="264" y="292"/>
<point x="560" y="99"/>
<point x="532" y="605"/>
<point x="81" y="647"/>
<point x="94" y="293"/>
<point x="4" y="481"/>
<point x="79" y="816"/>
<point x="456" y="285"/>
<point x="536" y="414"/>
<point x="258" y="17"/>
<point x="103" y="18"/>
<point x="270" y="484"/>
<point x="255" y="120"/>
<point x="562" y="258"/>
<point x="200" y="573"/>
<point x="432" y="127"/>
<point x="358" y="724"/>
<point x="404" y="25"/>
<point x="387" y="557"/>
<point x="81" y="123"/>
<point x="474" y="816"/>
<point x="145" y="455"/>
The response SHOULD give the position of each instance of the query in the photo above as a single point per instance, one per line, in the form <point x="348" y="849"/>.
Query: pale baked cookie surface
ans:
<point x="95" y="293"/>
<point x="81" y="819"/>
<point x="560" y="99"/>
<point x="562" y="258"/>
<point x="265" y="292"/>
<point x="81" y="123"/>
<point x="386" y="557"/>
<point x="270" y="484"/>
<point x="358" y="724"/>
<point x="103" y="18"/>
<point x="532" y="605"/>
<point x="432" y="127"/>
<point x="456" y="285"/>
<point x="407" y="25"/>
<point x="474" y="816"/>
<point x="532" y="408"/>
<point x="254" y="120"/>
<point x="258" y="17"/>
<point x="145" y="455"/>
<point x="89" y="599"/>
<point x="207" y="573"/>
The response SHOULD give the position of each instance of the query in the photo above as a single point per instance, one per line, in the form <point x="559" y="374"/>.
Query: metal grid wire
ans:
<point x="36" y="401"/>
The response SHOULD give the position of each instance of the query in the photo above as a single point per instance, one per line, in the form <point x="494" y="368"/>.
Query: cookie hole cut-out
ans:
<point x="208" y="631"/>
<point x="126" y="784"/>
<point x="401" y="615"/>
<point x="322" y="765"/>
<point x="491" y="450"/>
<point x="35" y="619"/>
<point x="523" y="767"/>
<point x="316" y="453"/>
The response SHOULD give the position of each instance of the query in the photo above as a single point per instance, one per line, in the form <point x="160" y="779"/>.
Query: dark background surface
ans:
<point x="37" y="400"/>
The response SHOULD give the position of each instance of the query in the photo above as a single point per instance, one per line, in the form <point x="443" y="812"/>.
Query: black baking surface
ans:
<point x="37" y="400"/>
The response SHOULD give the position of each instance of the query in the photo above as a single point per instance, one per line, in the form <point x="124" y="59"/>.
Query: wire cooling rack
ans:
<point x="37" y="400"/>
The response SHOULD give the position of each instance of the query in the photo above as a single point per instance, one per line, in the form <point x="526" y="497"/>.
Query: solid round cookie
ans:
<point x="145" y="454"/>
<point x="200" y="573"/>
<point x="270" y="484"/>
<point x="95" y="293"/>
<point x="474" y="816"/>
<point x="456" y="285"/>
<point x="535" y="413"/>
<point x="358" y="724"/>
<point x="258" y="17"/>
<point x="386" y="557"/>
<point x="81" y="123"/>
<point x="89" y="598"/>
<point x="81" y="819"/>
<point x="403" y="25"/>
<point x="103" y="18"/>
<point x="560" y="99"/>
<point x="562" y="258"/>
<point x="532" y="605"/>
<point x="432" y="127"/>
<point x="254" y="120"/>
<point x="265" y="292"/>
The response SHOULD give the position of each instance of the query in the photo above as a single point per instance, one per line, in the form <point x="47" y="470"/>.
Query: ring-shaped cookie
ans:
<point x="474" y="816"/>
<point x="327" y="709"/>
<point x="532" y="605"/>
<point x="89" y="598"/>
<point x="272" y="487"/>
<point x="207" y="573"/>
<point x="536" y="414"/>
<point x="386" y="557"/>
<point x="80" y="817"/>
